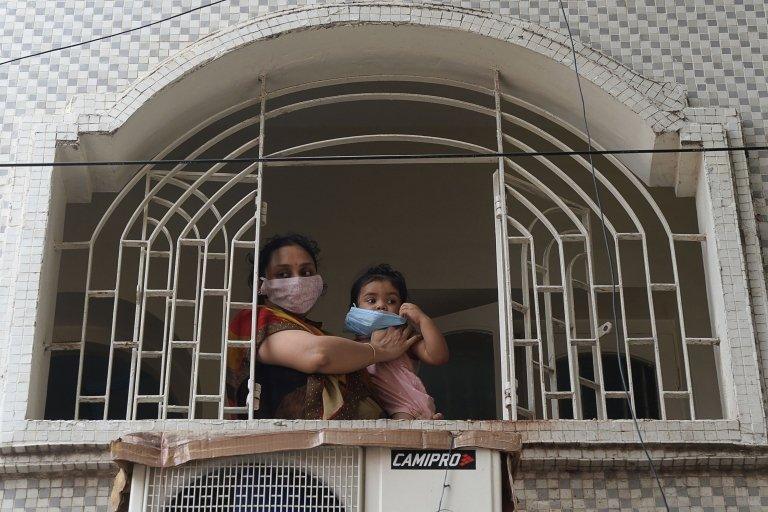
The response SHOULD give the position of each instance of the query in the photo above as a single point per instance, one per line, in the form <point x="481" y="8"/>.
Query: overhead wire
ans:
<point x="630" y="402"/>
<point x="396" y="156"/>
<point x="108" y="36"/>
<point x="405" y="157"/>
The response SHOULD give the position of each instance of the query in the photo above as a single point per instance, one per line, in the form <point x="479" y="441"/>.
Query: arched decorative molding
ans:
<point x="659" y="103"/>
<point x="626" y="109"/>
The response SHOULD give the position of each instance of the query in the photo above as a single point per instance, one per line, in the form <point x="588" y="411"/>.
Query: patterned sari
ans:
<point x="287" y="393"/>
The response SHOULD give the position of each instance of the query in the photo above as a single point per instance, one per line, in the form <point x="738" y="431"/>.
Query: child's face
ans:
<point x="379" y="296"/>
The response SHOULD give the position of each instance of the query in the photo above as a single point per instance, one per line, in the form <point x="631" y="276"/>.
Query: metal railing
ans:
<point x="545" y="217"/>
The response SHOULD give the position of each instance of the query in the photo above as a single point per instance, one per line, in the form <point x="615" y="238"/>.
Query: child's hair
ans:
<point x="381" y="272"/>
<point x="277" y="242"/>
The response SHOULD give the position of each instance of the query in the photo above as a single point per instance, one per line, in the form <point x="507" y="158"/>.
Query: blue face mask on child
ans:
<point x="364" y="321"/>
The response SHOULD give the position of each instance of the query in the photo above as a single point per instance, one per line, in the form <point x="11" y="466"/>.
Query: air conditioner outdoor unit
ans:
<point x="325" y="479"/>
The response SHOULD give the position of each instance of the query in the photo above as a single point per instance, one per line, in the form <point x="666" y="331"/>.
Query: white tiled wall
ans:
<point x="708" y="54"/>
<point x="101" y="74"/>
<point x="715" y="54"/>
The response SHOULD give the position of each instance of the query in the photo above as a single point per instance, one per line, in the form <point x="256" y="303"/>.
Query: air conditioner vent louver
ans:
<point x="319" y="480"/>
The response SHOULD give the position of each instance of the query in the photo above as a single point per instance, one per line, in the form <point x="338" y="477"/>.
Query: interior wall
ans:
<point x="435" y="224"/>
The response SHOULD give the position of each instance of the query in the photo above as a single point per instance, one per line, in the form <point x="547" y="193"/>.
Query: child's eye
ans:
<point x="283" y="275"/>
<point x="370" y="300"/>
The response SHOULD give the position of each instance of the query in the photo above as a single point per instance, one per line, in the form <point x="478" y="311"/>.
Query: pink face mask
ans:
<point x="294" y="294"/>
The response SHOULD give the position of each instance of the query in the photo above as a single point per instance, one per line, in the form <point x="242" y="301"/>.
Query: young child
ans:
<point x="397" y="387"/>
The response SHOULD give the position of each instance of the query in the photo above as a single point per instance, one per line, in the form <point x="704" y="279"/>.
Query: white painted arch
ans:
<point x="364" y="38"/>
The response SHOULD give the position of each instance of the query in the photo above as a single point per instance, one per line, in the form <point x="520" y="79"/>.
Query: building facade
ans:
<point x="118" y="281"/>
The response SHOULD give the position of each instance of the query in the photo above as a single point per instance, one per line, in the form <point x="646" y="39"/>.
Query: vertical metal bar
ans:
<point x="161" y="413"/>
<point x="229" y="270"/>
<point x="110" y="359"/>
<point x="197" y="314"/>
<point x="526" y="302"/>
<point x="140" y="306"/>
<point x="143" y="473"/>
<point x="506" y="329"/>
<point x="597" y="353"/>
<point x="627" y="346"/>
<point x="543" y="365"/>
<point x="506" y="350"/>
<point x="573" y="349"/>
<point x="684" y="337"/>
<point x="225" y="324"/>
<point x="566" y="310"/>
<point x="84" y="328"/>
<point x="569" y="325"/>
<point x="167" y="339"/>
<point x="359" y="478"/>
<point x="257" y="235"/>
<point x="550" y="331"/>
<point x="198" y="323"/>
<point x="138" y="337"/>
<point x="225" y="302"/>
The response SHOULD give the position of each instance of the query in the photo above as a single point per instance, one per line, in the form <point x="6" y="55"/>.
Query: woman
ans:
<point x="304" y="373"/>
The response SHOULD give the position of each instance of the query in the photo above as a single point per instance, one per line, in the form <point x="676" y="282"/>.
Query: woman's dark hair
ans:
<point x="277" y="242"/>
<point x="382" y="272"/>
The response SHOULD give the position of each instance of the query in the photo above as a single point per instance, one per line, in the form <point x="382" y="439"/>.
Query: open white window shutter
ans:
<point x="507" y="354"/>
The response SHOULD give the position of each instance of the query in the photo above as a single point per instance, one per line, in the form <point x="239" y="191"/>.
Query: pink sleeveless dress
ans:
<point x="398" y="389"/>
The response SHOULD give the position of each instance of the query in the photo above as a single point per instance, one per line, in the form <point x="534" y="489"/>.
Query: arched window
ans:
<point x="172" y="244"/>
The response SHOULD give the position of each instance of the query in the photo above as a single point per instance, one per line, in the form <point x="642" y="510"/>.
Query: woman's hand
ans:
<point x="392" y="342"/>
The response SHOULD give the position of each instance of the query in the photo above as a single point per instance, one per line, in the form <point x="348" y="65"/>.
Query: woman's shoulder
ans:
<point x="280" y="319"/>
<point x="269" y="321"/>
<point x="266" y="314"/>
<point x="262" y="312"/>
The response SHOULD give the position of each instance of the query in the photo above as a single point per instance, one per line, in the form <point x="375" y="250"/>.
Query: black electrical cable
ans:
<point x="611" y="267"/>
<point x="89" y="41"/>
<point x="404" y="157"/>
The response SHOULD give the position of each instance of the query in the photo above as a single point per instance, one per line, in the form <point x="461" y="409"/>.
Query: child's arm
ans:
<point x="432" y="349"/>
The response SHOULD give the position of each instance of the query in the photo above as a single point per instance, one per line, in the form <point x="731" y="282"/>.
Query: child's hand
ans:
<point x="412" y="313"/>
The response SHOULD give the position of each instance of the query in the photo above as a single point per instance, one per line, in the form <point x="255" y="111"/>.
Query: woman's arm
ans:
<point x="309" y="353"/>
<point x="432" y="349"/>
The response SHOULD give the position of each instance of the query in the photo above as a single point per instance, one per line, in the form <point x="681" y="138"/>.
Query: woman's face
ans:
<point x="380" y="296"/>
<point x="290" y="261"/>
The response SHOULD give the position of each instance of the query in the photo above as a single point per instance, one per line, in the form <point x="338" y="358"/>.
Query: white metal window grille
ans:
<point x="555" y="253"/>
<point x="187" y="227"/>
<point x="326" y="479"/>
